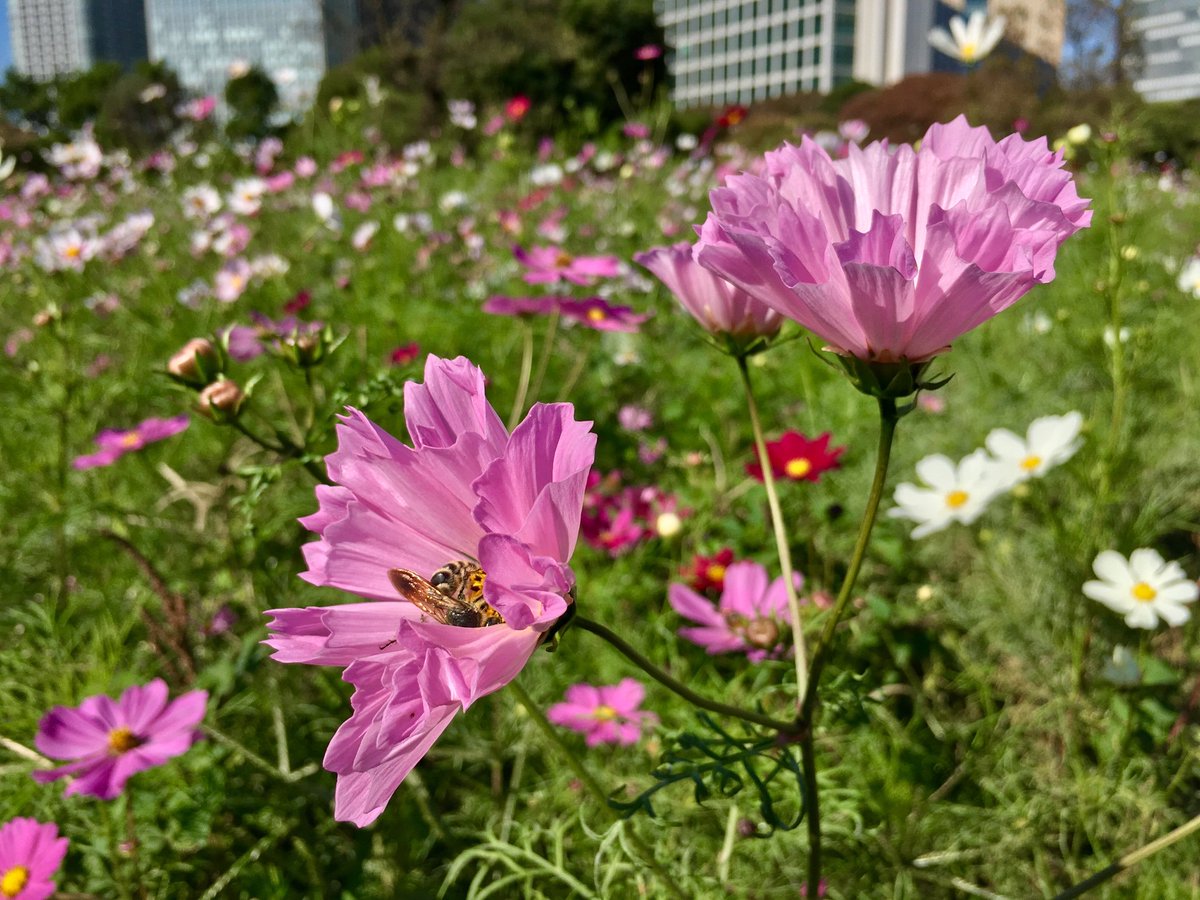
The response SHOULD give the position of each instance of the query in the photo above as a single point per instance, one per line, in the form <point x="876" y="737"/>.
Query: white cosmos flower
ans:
<point x="954" y="493"/>
<point x="1122" y="669"/>
<point x="1050" y="441"/>
<point x="969" y="41"/>
<point x="1144" y="588"/>
<point x="201" y="201"/>
<point x="1189" y="277"/>
<point x="246" y="196"/>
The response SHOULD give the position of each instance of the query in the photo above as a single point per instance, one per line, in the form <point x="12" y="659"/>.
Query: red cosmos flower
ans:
<point x="298" y="303"/>
<point x="516" y="108"/>
<point x="733" y="115"/>
<point x="707" y="573"/>
<point x="404" y="354"/>
<point x="795" y="457"/>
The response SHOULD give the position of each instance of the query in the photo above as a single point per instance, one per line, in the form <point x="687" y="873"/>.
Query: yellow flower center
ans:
<point x="968" y="51"/>
<point x="797" y="468"/>
<point x="1030" y="463"/>
<point x="14" y="881"/>
<point x="130" y="440"/>
<point x="73" y="252"/>
<point x="955" y="499"/>
<point x="563" y="260"/>
<point x="1143" y="592"/>
<point x="121" y="740"/>
<point x="715" y="572"/>
<point x="605" y="714"/>
<point x="595" y="314"/>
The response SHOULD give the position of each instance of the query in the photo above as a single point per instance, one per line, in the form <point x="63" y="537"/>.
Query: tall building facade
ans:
<point x="293" y="41"/>
<point x="55" y="37"/>
<point x="1169" y="33"/>
<point x="741" y="51"/>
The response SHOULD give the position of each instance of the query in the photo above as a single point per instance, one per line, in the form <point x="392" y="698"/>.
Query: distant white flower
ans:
<point x="69" y="249"/>
<point x="1037" y="323"/>
<point x="7" y="164"/>
<point x="462" y="114"/>
<point x="546" y="175"/>
<point x="1122" y="669"/>
<point x="452" y="201"/>
<point x="78" y="159"/>
<point x="686" y="142"/>
<point x="1189" y="277"/>
<point x="969" y="41"/>
<point x="1079" y="135"/>
<point x="363" y="234"/>
<point x="954" y="493"/>
<point x="326" y="210"/>
<point x="201" y="201"/>
<point x="1144" y="588"/>
<point x="239" y="68"/>
<point x="152" y="93"/>
<point x="373" y="90"/>
<point x="246" y="197"/>
<point x="1050" y="441"/>
<point x="1112" y="338"/>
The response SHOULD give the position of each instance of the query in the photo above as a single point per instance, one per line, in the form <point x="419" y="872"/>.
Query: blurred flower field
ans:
<point x="1008" y="701"/>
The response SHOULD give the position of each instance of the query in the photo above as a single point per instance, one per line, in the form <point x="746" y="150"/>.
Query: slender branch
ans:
<point x="1129" y="860"/>
<point x="782" y="542"/>
<point x="888" y="417"/>
<point x="589" y="781"/>
<point x="635" y="657"/>
<point x="518" y="406"/>
<point x="547" y="352"/>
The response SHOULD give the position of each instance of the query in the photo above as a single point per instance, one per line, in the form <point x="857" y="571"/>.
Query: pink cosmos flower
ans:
<point x="520" y="306"/>
<point x="115" y="443"/>
<point x="892" y="253"/>
<point x="30" y="853"/>
<point x="607" y="714"/>
<point x="111" y="740"/>
<point x="751" y="617"/>
<point x="648" y="52"/>
<point x="550" y="265"/>
<point x="597" y="313"/>
<point x="465" y="491"/>
<point x="719" y="307"/>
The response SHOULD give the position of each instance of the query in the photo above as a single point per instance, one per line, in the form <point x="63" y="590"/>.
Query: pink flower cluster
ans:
<point x="618" y="517"/>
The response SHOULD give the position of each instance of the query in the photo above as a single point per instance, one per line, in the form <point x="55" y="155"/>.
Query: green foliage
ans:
<point x="252" y="100"/>
<point x="81" y="96"/>
<point x="138" y="111"/>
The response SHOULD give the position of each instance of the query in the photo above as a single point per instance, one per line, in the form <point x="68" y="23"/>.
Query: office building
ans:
<point x="55" y="37"/>
<point x="293" y="41"/>
<point x="1169" y="34"/>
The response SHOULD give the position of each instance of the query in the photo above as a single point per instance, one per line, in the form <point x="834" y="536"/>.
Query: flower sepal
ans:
<point x="889" y="380"/>
<point x="549" y="640"/>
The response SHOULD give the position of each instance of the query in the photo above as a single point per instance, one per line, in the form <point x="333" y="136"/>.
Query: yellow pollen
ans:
<point x="563" y="260"/>
<point x="605" y="714"/>
<point x="968" y="51"/>
<point x="1143" y="592"/>
<point x="130" y="440"/>
<point x="955" y="499"/>
<point x="715" y="572"/>
<point x="595" y="314"/>
<point x="14" y="881"/>
<point x="1030" y="463"/>
<point x="73" y="252"/>
<point x="797" y="468"/>
<point x="121" y="740"/>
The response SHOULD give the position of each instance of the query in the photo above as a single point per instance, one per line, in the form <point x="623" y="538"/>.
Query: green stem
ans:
<point x="782" y="543"/>
<point x="518" y="406"/>
<point x="677" y="687"/>
<point x="573" y="376"/>
<point x="589" y="781"/>
<point x="286" y="448"/>
<point x="1129" y="860"/>
<point x="547" y="352"/>
<point x="888" y="417"/>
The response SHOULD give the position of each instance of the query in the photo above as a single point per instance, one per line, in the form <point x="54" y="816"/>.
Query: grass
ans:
<point x="969" y="741"/>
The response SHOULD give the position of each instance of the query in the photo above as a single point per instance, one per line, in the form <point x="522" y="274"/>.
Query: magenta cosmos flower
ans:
<point x="110" y="740"/>
<point x="719" y="307"/>
<point x="114" y="443"/>
<point x="751" y="617"/>
<point x="550" y="265"/>
<point x="469" y="516"/>
<point x="892" y="253"/>
<point x="607" y="714"/>
<point x="30" y="853"/>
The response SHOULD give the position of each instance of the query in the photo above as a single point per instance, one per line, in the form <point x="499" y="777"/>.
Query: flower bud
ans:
<point x="194" y="363"/>
<point x="222" y="400"/>
<point x="763" y="633"/>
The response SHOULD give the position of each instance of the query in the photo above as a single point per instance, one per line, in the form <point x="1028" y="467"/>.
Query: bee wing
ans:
<point x="447" y="610"/>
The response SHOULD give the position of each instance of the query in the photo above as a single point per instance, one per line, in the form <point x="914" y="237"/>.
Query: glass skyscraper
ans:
<point x="1169" y="31"/>
<point x="54" y="37"/>
<point x="293" y="41"/>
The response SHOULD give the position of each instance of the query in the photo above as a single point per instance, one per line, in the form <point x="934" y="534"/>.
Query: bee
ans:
<point x="453" y="595"/>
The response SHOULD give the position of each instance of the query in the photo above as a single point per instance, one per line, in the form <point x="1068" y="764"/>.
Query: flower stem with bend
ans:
<point x="888" y="417"/>
<point x="526" y="368"/>
<point x="630" y="653"/>
<point x="782" y="542"/>
<point x="589" y="781"/>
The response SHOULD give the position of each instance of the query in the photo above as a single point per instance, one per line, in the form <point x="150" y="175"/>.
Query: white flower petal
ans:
<point x="1112" y="567"/>
<point x="1141" y="616"/>
<point x="938" y="471"/>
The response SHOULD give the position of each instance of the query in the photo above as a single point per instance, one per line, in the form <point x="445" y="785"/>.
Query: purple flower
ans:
<point x="109" y="740"/>
<point x="607" y="714"/>
<point x="891" y="254"/>
<point x="717" y="305"/>
<point x="634" y="418"/>
<point x="491" y="516"/>
<point x="520" y="306"/>
<point x="550" y="265"/>
<point x="114" y="443"/>
<point x="597" y="313"/>
<point x="30" y="853"/>
<point x="751" y="617"/>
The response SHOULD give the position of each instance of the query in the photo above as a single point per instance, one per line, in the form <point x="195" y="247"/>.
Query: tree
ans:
<point x="26" y="101"/>
<point x="252" y="100"/>
<point x="80" y="95"/>
<point x="138" y="112"/>
<point x="1102" y="46"/>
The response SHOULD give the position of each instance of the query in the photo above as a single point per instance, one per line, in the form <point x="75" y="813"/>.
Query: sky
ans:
<point x="5" y="50"/>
